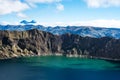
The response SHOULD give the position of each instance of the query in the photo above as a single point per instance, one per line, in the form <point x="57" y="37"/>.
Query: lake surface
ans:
<point x="58" y="68"/>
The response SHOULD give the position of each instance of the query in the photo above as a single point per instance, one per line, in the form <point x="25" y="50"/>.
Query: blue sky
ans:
<point x="101" y="13"/>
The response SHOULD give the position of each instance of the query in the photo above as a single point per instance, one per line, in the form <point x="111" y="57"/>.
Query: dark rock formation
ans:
<point x="35" y="42"/>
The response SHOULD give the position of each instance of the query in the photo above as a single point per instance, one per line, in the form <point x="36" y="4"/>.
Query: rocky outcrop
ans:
<point x="35" y="43"/>
<point x="106" y="48"/>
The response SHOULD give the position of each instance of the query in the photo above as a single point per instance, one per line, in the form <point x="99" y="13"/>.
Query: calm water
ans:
<point x="58" y="68"/>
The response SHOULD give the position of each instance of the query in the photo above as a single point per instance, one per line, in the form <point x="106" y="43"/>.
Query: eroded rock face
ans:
<point x="92" y="47"/>
<point x="35" y="42"/>
<point x="28" y="43"/>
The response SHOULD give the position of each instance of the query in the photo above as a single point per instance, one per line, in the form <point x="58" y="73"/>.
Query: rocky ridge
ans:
<point x="35" y="43"/>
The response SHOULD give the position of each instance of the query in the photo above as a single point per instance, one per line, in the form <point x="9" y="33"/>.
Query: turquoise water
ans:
<point x="58" y="68"/>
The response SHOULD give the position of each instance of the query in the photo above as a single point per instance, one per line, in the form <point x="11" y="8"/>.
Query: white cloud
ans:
<point x="33" y="3"/>
<point x="17" y="6"/>
<point x="10" y="6"/>
<point x="102" y="3"/>
<point x="21" y="15"/>
<point x="9" y="23"/>
<point x="95" y="23"/>
<point x="60" y="7"/>
<point x="98" y="23"/>
<point x="4" y="23"/>
<point x="42" y="1"/>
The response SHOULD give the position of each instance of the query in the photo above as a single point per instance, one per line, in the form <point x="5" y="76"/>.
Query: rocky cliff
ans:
<point x="35" y="43"/>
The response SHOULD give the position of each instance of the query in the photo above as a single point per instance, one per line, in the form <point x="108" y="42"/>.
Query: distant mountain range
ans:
<point x="84" y="31"/>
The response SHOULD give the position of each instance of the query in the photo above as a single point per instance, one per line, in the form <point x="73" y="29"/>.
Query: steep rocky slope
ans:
<point x="35" y="42"/>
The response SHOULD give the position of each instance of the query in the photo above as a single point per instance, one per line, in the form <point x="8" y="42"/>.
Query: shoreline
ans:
<point x="70" y="56"/>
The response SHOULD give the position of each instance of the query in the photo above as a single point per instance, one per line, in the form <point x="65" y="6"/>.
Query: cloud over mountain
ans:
<point x="28" y="22"/>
